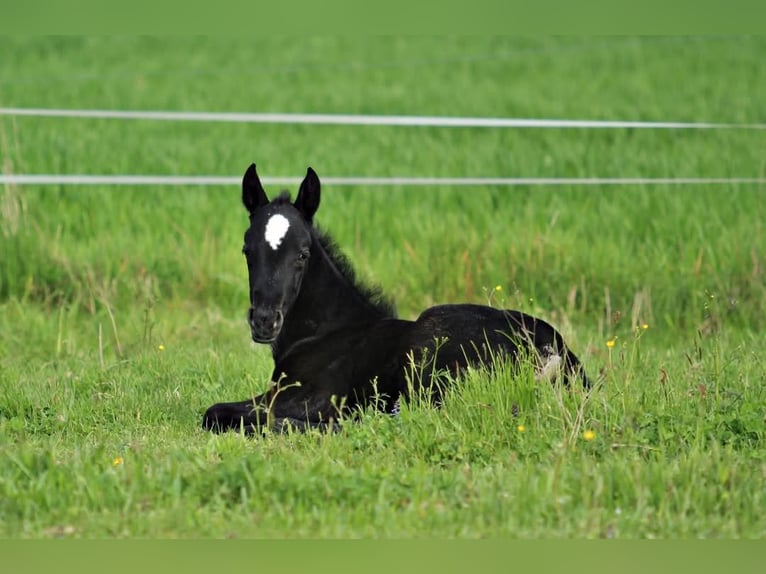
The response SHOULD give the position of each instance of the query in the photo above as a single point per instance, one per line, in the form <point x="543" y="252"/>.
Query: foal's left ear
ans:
<point x="307" y="201"/>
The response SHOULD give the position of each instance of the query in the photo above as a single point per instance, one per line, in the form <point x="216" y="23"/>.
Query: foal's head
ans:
<point x="277" y="248"/>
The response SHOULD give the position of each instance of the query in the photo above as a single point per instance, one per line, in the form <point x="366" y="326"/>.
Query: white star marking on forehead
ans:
<point x="276" y="228"/>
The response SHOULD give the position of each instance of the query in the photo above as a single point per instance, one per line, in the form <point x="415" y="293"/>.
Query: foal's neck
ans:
<point x="328" y="300"/>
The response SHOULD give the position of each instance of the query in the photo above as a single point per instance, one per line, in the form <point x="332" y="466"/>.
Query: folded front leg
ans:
<point x="249" y="415"/>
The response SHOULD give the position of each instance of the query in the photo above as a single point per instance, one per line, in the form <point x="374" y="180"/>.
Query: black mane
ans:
<point x="374" y="295"/>
<point x="379" y="301"/>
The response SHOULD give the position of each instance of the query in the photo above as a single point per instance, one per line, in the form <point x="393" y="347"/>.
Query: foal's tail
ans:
<point x="548" y="342"/>
<point x="574" y="369"/>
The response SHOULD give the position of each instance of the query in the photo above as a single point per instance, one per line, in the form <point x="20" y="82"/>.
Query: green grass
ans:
<point x="122" y="309"/>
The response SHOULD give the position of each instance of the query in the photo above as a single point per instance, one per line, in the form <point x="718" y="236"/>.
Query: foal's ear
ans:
<point x="253" y="195"/>
<point x="307" y="201"/>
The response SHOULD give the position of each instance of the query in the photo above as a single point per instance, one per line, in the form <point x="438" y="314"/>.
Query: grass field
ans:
<point x="122" y="310"/>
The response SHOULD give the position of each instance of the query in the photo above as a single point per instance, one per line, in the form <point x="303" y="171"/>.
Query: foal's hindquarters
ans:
<point x="477" y="335"/>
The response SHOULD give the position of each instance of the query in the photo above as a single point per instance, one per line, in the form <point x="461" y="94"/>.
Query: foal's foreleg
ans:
<point x="249" y="416"/>
<point x="255" y="415"/>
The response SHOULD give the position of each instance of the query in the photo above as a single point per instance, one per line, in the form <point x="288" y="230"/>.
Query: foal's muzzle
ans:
<point x="265" y="324"/>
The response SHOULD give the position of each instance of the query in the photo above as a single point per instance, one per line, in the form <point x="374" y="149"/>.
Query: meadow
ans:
<point x="122" y="309"/>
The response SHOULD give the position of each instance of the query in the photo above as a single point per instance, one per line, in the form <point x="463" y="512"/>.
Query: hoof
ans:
<point x="223" y="417"/>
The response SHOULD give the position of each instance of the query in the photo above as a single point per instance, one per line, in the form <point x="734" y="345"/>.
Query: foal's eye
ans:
<point x="303" y="255"/>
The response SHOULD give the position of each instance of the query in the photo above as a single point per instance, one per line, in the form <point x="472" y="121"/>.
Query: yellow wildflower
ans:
<point x="117" y="461"/>
<point x="498" y="288"/>
<point x="645" y="326"/>
<point x="589" y="435"/>
<point x="521" y="428"/>
<point x="161" y="347"/>
<point x="610" y="343"/>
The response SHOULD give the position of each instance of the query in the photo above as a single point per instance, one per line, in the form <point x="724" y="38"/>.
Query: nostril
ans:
<point x="264" y="319"/>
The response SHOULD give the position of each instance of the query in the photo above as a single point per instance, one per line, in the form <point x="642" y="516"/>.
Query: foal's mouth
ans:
<point x="263" y="340"/>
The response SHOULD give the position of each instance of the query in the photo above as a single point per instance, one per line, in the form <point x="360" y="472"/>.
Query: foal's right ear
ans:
<point x="253" y="195"/>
